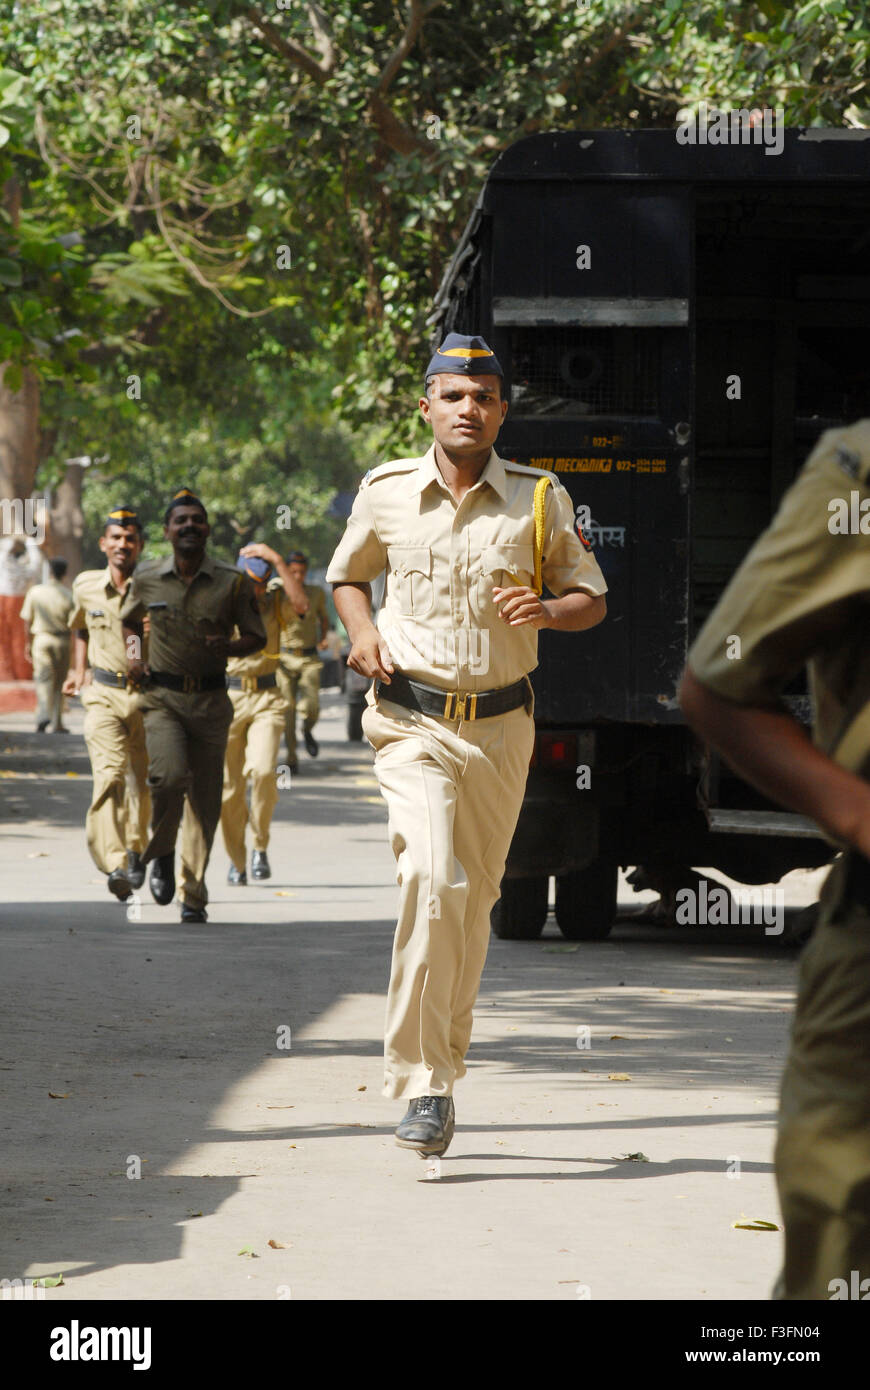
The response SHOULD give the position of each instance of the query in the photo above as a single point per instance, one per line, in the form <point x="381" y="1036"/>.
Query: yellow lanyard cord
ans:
<point x="540" y="502"/>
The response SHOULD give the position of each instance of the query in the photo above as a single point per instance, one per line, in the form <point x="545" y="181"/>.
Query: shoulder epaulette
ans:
<point x="511" y="467"/>
<point x="385" y="470"/>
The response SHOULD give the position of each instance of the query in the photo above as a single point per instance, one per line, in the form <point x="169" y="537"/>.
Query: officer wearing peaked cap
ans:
<point x="117" y="820"/>
<point x="468" y="540"/>
<point x="194" y="605"/>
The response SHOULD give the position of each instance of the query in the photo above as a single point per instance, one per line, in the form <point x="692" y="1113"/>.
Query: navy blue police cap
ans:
<point x="467" y="355"/>
<point x="123" y="516"/>
<point x="184" y="498"/>
<point x="256" y="569"/>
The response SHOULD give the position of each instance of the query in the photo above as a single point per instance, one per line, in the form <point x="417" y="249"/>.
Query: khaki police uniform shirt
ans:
<point x="802" y="595"/>
<point x="303" y="630"/>
<point x="46" y="608"/>
<point x="443" y="558"/>
<point x="218" y="600"/>
<point x="275" y="610"/>
<point x="97" y="609"/>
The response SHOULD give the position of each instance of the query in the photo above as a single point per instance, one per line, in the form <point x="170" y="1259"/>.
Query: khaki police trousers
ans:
<point x="118" y="815"/>
<point x="186" y="736"/>
<point x="823" y="1147"/>
<point x="299" y="684"/>
<point x="50" y="665"/>
<point x="252" y="752"/>
<point x="454" y="791"/>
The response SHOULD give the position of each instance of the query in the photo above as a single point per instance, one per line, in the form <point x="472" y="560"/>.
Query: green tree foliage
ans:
<point x="267" y="197"/>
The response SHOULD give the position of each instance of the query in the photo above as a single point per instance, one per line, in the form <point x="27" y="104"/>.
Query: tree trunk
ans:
<point x="67" y="521"/>
<point x="19" y="437"/>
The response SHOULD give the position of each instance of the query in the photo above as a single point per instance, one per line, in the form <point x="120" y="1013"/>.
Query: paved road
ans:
<point x="143" y="1039"/>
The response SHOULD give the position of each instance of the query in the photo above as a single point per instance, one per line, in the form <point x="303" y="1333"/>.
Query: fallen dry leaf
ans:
<point x="634" y="1158"/>
<point x="618" y="1076"/>
<point x="361" y="1088"/>
<point x="280" y="1107"/>
<point x="38" y="854"/>
<point x="617" y="1036"/>
<point x="60" y="1095"/>
<point x="756" y="1225"/>
<point x="278" y="1245"/>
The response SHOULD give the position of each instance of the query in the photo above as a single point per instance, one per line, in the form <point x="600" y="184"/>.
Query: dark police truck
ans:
<point x="678" y="324"/>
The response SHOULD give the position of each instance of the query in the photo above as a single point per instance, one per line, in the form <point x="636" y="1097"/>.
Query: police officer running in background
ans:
<point x="450" y="712"/>
<point x="258" y="719"/>
<point x="801" y="596"/>
<point x="45" y="612"/>
<point x="300" y="669"/>
<point x="194" y="604"/>
<point x="117" y="823"/>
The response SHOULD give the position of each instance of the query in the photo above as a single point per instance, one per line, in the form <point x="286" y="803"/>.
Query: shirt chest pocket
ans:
<point x="410" y="580"/>
<point x="502" y="566"/>
<point x="97" y="618"/>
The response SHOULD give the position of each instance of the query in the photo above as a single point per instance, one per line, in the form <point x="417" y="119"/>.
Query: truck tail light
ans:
<point x="555" y="750"/>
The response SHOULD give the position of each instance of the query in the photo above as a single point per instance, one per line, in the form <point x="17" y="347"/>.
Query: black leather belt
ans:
<point x="299" y="651"/>
<point x="187" y="683"/>
<point x="116" y="678"/>
<point x="453" y="704"/>
<point x="251" y="683"/>
<point x="857" y="885"/>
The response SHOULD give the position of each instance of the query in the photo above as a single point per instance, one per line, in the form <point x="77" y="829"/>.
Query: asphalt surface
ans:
<point x="134" y="1045"/>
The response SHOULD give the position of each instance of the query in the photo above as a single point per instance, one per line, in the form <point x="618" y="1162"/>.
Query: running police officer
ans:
<point x="44" y="613"/>
<point x="300" y="668"/>
<point x="450" y="711"/>
<point x="117" y="822"/>
<point x="258" y="719"/>
<point x="194" y="604"/>
<point x="801" y="596"/>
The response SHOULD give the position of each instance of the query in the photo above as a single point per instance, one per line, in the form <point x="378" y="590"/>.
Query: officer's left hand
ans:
<point x="519" y="605"/>
<point x="218" y="643"/>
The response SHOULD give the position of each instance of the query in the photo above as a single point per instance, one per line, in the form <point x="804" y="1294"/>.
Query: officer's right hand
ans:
<point x="370" y="656"/>
<point x="137" y="672"/>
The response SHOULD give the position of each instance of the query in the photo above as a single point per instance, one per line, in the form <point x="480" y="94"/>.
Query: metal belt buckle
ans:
<point x="464" y="706"/>
<point x="249" y="683"/>
<point x="120" y="677"/>
<point x="190" y="685"/>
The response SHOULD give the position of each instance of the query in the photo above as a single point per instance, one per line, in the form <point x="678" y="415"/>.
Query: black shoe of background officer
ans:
<point x="193" y="914"/>
<point x="237" y="877"/>
<point x="135" y="869"/>
<point x="311" y="744"/>
<point x="42" y="726"/>
<point x="260" y="864"/>
<point x="120" y="884"/>
<point x="428" y="1125"/>
<point x="162" y="879"/>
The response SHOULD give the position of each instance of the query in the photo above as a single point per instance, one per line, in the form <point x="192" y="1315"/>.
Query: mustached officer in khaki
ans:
<point x="45" y="612"/>
<point x="194" y="604"/>
<point x="300" y="669"/>
<point x="117" y="822"/>
<point x="801" y="597"/>
<point x="449" y="715"/>
<point x="258" y="720"/>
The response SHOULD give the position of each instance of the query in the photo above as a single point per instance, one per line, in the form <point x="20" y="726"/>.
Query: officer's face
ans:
<point x="465" y="412"/>
<point x="298" y="571"/>
<point x="122" y="546"/>
<point x="187" y="529"/>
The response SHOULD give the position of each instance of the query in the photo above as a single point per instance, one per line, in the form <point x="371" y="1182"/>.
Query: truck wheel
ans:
<point x="586" y="901"/>
<point x="354" y="723"/>
<point x="521" y="911"/>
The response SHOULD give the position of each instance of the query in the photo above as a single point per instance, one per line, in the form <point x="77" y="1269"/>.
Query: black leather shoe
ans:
<point x="162" y="879"/>
<point x="42" y="726"/>
<point x="237" y="877"/>
<point x="260" y="864"/>
<point x="135" y="869"/>
<point x="193" y="914"/>
<point x="311" y="744"/>
<point x="428" y="1125"/>
<point x="119" y="883"/>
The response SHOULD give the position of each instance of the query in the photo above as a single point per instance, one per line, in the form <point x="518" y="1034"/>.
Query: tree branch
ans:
<point x="322" y="35"/>
<point x="417" y="14"/>
<point x="288" y="48"/>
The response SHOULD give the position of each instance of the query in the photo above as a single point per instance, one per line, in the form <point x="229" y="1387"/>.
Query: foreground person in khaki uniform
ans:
<point x="194" y="604"/>
<point x="801" y="596"/>
<point x="450" y="712"/>
<point x="258" y="720"/>
<point x="117" y="822"/>
<point x="44" y="613"/>
<point x="300" y="669"/>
